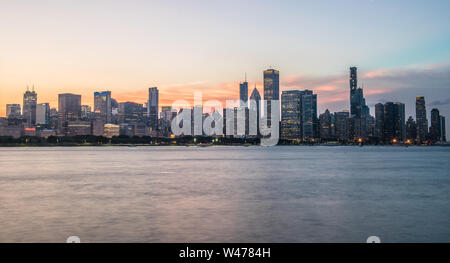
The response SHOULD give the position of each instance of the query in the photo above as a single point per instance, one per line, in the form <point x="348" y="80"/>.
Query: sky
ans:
<point x="401" y="49"/>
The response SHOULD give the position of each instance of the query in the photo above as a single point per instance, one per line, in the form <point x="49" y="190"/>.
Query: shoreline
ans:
<point x="208" y="145"/>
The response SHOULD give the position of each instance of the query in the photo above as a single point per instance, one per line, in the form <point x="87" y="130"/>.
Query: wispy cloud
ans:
<point x="440" y="102"/>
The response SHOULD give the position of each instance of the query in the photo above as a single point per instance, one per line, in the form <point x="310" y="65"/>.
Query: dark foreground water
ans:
<point x="225" y="194"/>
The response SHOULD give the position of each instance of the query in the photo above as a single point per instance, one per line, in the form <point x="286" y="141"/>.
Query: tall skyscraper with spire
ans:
<point x="256" y="97"/>
<point x="29" y="106"/>
<point x="243" y="93"/>
<point x="271" y="90"/>
<point x="359" y="111"/>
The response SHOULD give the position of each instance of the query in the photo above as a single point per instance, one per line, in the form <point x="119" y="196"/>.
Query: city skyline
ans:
<point x="299" y="121"/>
<point x="235" y="94"/>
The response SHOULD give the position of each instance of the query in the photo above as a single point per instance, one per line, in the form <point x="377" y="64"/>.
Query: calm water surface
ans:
<point x="225" y="194"/>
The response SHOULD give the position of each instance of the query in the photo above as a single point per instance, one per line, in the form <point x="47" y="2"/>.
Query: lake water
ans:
<point x="225" y="194"/>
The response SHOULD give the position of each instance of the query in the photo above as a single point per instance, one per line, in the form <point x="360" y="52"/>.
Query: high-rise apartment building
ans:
<point x="342" y="125"/>
<point x="102" y="105"/>
<point x="13" y="111"/>
<point x="69" y="109"/>
<point x="421" y="119"/>
<point x="326" y="125"/>
<point x="43" y="114"/>
<point x="153" y="108"/>
<point x="271" y="91"/>
<point x="29" y="106"/>
<point x="291" y="114"/>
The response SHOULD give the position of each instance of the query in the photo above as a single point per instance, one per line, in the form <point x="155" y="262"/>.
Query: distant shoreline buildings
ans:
<point x="299" y="123"/>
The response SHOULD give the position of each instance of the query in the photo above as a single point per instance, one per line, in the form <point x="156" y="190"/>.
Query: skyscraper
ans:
<point x="400" y="119"/>
<point x="43" y="114"/>
<point x="69" y="109"/>
<point x="435" y="128"/>
<point x="13" y="111"/>
<point x="130" y="112"/>
<point x="379" y="120"/>
<point x="271" y="90"/>
<point x="342" y="125"/>
<point x="325" y="125"/>
<point x="353" y="92"/>
<point x="359" y="111"/>
<point x="411" y="130"/>
<point x="389" y="122"/>
<point x="443" y="132"/>
<point x="291" y="114"/>
<point x="29" y="106"/>
<point x="153" y="108"/>
<point x="243" y="93"/>
<point x="421" y="119"/>
<point x="102" y="105"/>
<point x="393" y="122"/>
<point x="309" y="115"/>
<point x="256" y="97"/>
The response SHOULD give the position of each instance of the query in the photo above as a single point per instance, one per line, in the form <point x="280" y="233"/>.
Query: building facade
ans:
<point x="291" y="114"/>
<point x="421" y="120"/>
<point x="102" y="105"/>
<point x="271" y="91"/>
<point x="29" y="106"/>
<point x="153" y="108"/>
<point x="69" y="109"/>
<point x="13" y="111"/>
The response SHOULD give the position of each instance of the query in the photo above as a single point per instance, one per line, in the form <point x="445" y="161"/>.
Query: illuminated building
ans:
<point x="411" y="129"/>
<point x="29" y="106"/>
<point x="102" y="105"/>
<point x="78" y="127"/>
<point x="69" y="109"/>
<point x="359" y="111"/>
<point x="394" y="122"/>
<point x="29" y="131"/>
<point x="291" y="114"/>
<point x="271" y="91"/>
<point x="421" y="119"/>
<point x="86" y="112"/>
<point x="326" y="125"/>
<point x="341" y="125"/>
<point x="111" y="130"/>
<point x="309" y="122"/>
<point x="153" y="108"/>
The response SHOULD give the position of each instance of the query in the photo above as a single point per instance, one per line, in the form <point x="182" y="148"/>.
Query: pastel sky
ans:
<point x="401" y="47"/>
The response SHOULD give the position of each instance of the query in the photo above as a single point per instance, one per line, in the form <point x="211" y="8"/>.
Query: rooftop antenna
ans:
<point x="245" y="76"/>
